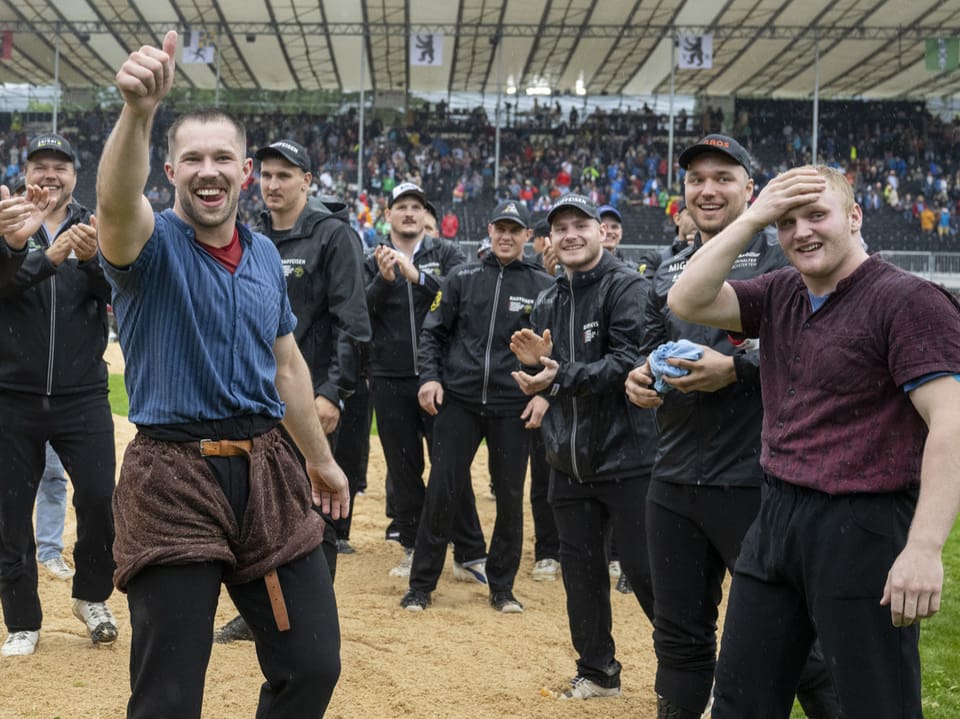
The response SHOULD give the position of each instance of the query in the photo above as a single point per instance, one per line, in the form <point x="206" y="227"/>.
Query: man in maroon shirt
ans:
<point x="861" y="392"/>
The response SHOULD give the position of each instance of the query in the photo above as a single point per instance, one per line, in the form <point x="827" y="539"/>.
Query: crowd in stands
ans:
<point x="903" y="162"/>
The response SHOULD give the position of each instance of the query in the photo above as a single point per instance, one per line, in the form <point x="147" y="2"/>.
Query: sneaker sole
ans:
<point x="464" y="574"/>
<point x="105" y="637"/>
<point x="544" y="577"/>
<point x="414" y="608"/>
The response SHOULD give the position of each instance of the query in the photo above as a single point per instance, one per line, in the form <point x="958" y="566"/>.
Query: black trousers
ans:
<point x="546" y="542"/>
<point x="583" y="512"/>
<point x="352" y="447"/>
<point x="814" y="566"/>
<point x="695" y="534"/>
<point x="402" y="426"/>
<point x="80" y="428"/>
<point x="172" y="611"/>
<point x="456" y="437"/>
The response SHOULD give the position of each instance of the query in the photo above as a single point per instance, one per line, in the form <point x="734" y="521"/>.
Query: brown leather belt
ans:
<point x="242" y="448"/>
<point x="226" y="447"/>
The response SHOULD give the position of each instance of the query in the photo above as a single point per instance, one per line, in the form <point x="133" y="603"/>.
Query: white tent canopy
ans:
<point x="761" y="48"/>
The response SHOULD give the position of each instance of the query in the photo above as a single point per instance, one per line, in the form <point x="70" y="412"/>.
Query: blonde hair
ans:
<point x="838" y="181"/>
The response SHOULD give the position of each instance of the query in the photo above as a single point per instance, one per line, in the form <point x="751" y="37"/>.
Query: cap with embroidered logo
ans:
<point x="720" y="144"/>
<point x="574" y="202"/>
<point x="407" y="188"/>
<point x="50" y="143"/>
<point x="513" y="211"/>
<point x="292" y="152"/>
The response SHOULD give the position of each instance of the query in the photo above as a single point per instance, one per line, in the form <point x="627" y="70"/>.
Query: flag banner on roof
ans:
<point x="943" y="53"/>
<point x="201" y="49"/>
<point x="426" y="49"/>
<point x="696" y="52"/>
<point x="6" y="48"/>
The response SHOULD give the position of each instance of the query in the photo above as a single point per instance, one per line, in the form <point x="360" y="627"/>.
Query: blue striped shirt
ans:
<point x="198" y="341"/>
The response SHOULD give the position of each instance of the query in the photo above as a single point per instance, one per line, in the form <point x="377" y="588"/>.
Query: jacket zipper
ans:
<point x="53" y="333"/>
<point x="413" y="330"/>
<point x="576" y="419"/>
<point x="493" y="320"/>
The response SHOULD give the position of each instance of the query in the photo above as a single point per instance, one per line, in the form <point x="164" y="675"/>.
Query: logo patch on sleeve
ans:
<point x="436" y="301"/>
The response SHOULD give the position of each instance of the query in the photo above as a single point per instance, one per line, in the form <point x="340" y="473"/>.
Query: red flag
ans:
<point x="7" y="52"/>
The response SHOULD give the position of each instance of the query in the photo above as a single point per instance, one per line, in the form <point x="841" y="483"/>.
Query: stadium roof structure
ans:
<point x="761" y="48"/>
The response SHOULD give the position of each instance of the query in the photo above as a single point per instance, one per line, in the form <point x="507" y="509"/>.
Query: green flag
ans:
<point x="943" y="53"/>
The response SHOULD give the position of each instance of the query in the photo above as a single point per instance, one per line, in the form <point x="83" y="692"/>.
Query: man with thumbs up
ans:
<point x="210" y="492"/>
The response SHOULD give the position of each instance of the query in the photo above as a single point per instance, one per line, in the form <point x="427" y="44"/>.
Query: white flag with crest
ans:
<point x="426" y="49"/>
<point x="696" y="52"/>
<point x="201" y="49"/>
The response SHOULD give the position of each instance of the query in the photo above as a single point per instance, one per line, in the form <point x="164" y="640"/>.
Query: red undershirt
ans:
<point x="228" y="255"/>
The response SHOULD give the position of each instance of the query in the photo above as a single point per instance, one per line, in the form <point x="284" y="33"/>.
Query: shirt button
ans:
<point x="779" y="425"/>
<point x="806" y="325"/>
<point x="791" y="392"/>
<point x="797" y="358"/>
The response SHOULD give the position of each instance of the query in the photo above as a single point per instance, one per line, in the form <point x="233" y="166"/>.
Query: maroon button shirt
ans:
<point x="836" y="418"/>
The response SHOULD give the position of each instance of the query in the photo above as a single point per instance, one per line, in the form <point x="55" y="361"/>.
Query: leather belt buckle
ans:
<point x="225" y="447"/>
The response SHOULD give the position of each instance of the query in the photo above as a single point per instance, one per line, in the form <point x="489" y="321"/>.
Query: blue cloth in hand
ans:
<point x="659" y="367"/>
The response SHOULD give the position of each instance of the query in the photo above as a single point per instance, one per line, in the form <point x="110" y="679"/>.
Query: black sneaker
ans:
<point x="415" y="600"/>
<point x="344" y="547"/>
<point x="236" y="630"/>
<point x="505" y="602"/>
<point x="623" y="584"/>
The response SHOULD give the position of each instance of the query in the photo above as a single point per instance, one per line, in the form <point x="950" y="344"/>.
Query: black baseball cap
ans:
<point x="432" y="209"/>
<point x="513" y="211"/>
<point x="574" y="202"/>
<point x="541" y="229"/>
<point x="407" y="188"/>
<point x="292" y="152"/>
<point x="610" y="210"/>
<point x="50" y="143"/>
<point x="720" y="144"/>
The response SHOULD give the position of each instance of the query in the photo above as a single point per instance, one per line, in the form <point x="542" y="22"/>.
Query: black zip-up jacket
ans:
<point x="397" y="308"/>
<point x="54" y="318"/>
<point x="465" y="342"/>
<point x="592" y="432"/>
<point x="710" y="438"/>
<point x="322" y="261"/>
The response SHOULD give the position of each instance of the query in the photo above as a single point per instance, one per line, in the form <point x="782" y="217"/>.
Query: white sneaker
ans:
<point x="99" y="620"/>
<point x="58" y="567"/>
<point x="614" y="569"/>
<point x="20" y="644"/>
<point x="545" y="570"/>
<point x="403" y="569"/>
<point x="475" y="571"/>
<point x="581" y="688"/>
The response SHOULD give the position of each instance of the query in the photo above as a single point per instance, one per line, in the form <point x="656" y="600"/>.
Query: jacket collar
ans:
<point x="607" y="264"/>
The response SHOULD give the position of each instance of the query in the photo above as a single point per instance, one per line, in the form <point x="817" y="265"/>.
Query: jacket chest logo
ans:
<point x="430" y="268"/>
<point x="521" y="304"/>
<point x="591" y="331"/>
<point x="294" y="267"/>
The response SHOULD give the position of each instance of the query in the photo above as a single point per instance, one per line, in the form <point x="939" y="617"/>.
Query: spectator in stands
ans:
<point x="943" y="224"/>
<point x="928" y="220"/>
<point x="449" y="226"/>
